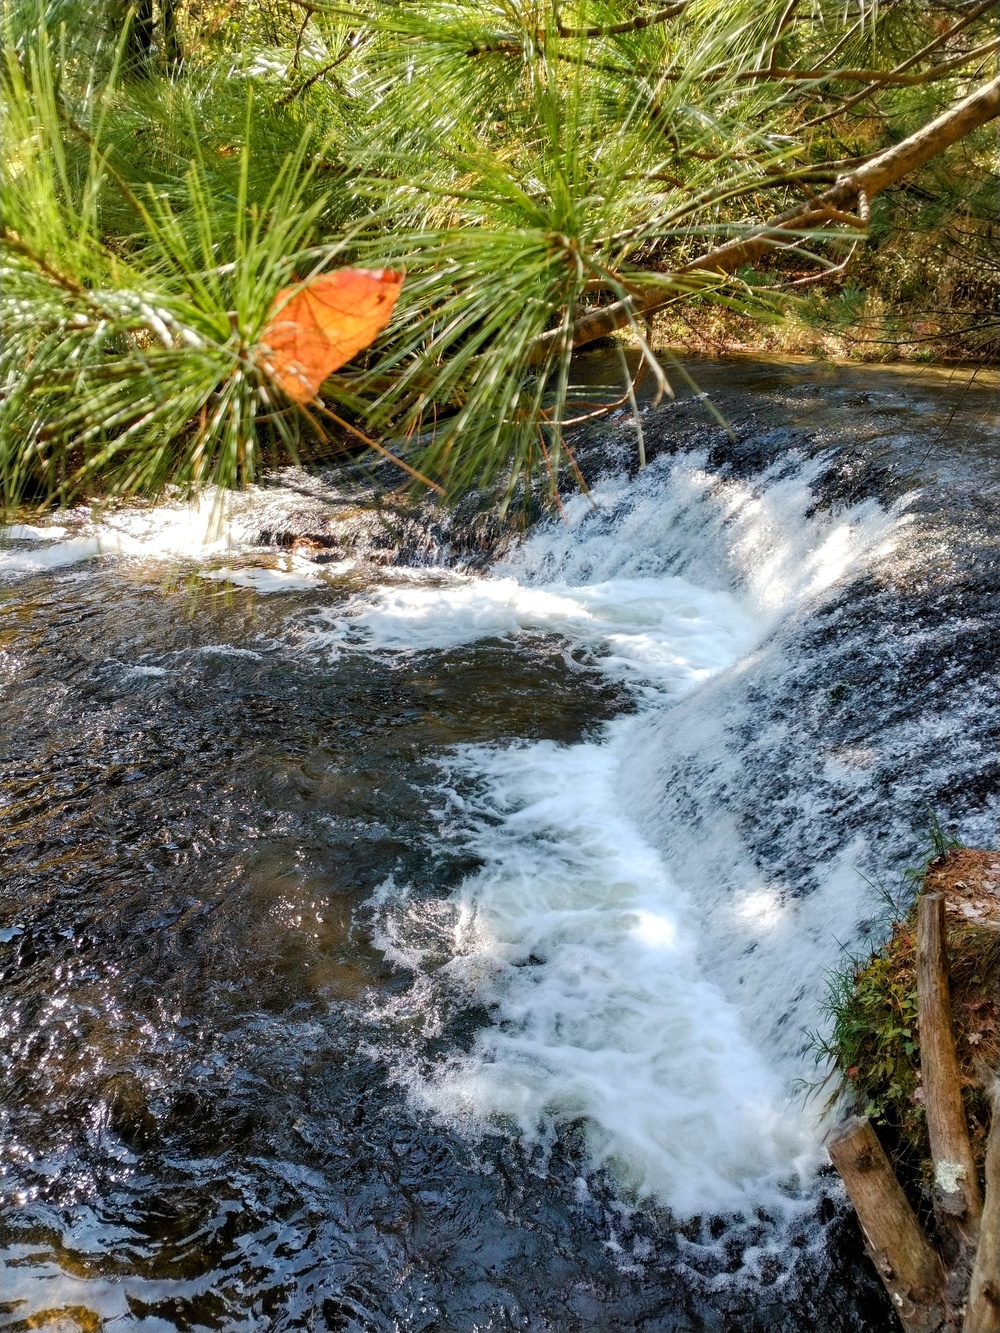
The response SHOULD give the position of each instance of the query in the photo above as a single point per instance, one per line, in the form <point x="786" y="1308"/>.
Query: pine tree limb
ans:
<point x="820" y="75"/>
<point x="901" y="68"/>
<point x="867" y="180"/>
<point x="630" y="25"/>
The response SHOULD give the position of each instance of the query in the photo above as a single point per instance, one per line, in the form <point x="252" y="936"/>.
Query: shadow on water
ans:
<point x="199" y="1130"/>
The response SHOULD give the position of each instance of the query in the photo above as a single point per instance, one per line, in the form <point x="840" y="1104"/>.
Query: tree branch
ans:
<point x="867" y="180"/>
<point x="14" y="242"/>
<point x="630" y="25"/>
<point x="304" y="87"/>
<point x="901" y="68"/>
<point x="861" y="75"/>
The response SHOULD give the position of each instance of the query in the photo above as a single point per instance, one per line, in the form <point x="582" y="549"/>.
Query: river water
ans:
<point x="400" y="931"/>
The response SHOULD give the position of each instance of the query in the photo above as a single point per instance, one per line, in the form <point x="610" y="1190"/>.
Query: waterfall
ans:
<point x="483" y="906"/>
<point x="643" y="973"/>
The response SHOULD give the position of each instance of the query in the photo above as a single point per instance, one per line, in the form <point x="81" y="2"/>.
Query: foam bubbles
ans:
<point x="285" y="574"/>
<point x="664" y="629"/>
<point x="46" y="554"/>
<point x="584" y="950"/>
<point x="199" y="531"/>
<point x="157" y="533"/>
<point x="27" y="532"/>
<point x="205" y="527"/>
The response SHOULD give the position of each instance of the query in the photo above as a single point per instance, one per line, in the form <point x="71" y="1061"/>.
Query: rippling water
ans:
<point x="407" y="947"/>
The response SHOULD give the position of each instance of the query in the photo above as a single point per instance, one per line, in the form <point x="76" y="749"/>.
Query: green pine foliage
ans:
<point x="169" y="167"/>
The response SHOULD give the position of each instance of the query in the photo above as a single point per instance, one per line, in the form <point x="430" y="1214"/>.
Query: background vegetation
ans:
<point x="170" y="165"/>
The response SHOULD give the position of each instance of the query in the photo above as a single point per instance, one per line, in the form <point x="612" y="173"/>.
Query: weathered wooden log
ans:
<point x="982" y="1313"/>
<point x="958" y="1204"/>
<point x="910" y="1269"/>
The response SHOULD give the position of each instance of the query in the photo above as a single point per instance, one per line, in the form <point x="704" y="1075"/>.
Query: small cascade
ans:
<point x="406" y="926"/>
<point x="616" y="986"/>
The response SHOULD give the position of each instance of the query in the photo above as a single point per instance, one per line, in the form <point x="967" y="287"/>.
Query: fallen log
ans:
<point x="983" y="1310"/>
<point x="958" y="1203"/>
<point x="910" y="1269"/>
<point x="955" y="1281"/>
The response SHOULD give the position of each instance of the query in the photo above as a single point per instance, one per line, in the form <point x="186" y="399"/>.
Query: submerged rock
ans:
<point x="126" y="1110"/>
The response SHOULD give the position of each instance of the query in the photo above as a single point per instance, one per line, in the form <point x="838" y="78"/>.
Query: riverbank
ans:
<point x="307" y="834"/>
<point x="873" y="1005"/>
<point x="814" y="332"/>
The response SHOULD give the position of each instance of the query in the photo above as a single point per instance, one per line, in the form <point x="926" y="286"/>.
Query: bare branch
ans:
<point x="306" y="84"/>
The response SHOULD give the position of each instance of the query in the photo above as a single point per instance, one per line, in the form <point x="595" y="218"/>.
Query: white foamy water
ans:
<point x="203" y="530"/>
<point x="584" y="949"/>
<point x="168" y="531"/>
<point x="616" y="999"/>
<point x="663" y="629"/>
<point x="287" y="573"/>
<point x="641" y="978"/>
<point x="28" y="532"/>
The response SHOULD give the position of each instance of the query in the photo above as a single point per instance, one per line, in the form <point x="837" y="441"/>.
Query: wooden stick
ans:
<point x="630" y="25"/>
<point x="958" y="1204"/>
<point x="983" y="1311"/>
<point x="910" y="1269"/>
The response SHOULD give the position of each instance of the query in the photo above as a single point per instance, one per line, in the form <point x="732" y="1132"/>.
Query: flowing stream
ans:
<point x="401" y="931"/>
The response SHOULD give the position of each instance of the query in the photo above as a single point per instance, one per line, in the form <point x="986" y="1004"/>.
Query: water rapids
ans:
<point x="395" y="936"/>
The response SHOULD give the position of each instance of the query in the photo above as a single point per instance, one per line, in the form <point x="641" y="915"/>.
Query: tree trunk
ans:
<point x="957" y="1201"/>
<point x="910" y="1269"/>
<point x="173" y="54"/>
<point x="139" y="48"/>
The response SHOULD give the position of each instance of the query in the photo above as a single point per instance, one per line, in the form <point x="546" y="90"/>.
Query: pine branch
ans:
<point x="306" y="84"/>
<point x="861" y="75"/>
<point x="14" y="242"/>
<point x="630" y="25"/>
<point x="777" y="74"/>
<point x="862" y="184"/>
<point x="901" y="68"/>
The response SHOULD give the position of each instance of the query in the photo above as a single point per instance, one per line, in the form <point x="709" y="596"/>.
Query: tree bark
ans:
<point x="983" y="1311"/>
<point x="173" y="54"/>
<point x="910" y="1269"/>
<point x="139" y="46"/>
<point x="864" y="182"/>
<point x="958" y="1204"/>
<point x="630" y="25"/>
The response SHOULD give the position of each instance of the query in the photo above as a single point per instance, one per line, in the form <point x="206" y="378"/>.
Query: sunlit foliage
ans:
<point x="170" y="167"/>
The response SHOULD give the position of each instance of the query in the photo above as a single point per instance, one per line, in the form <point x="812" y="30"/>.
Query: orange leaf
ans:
<point x="316" y="327"/>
